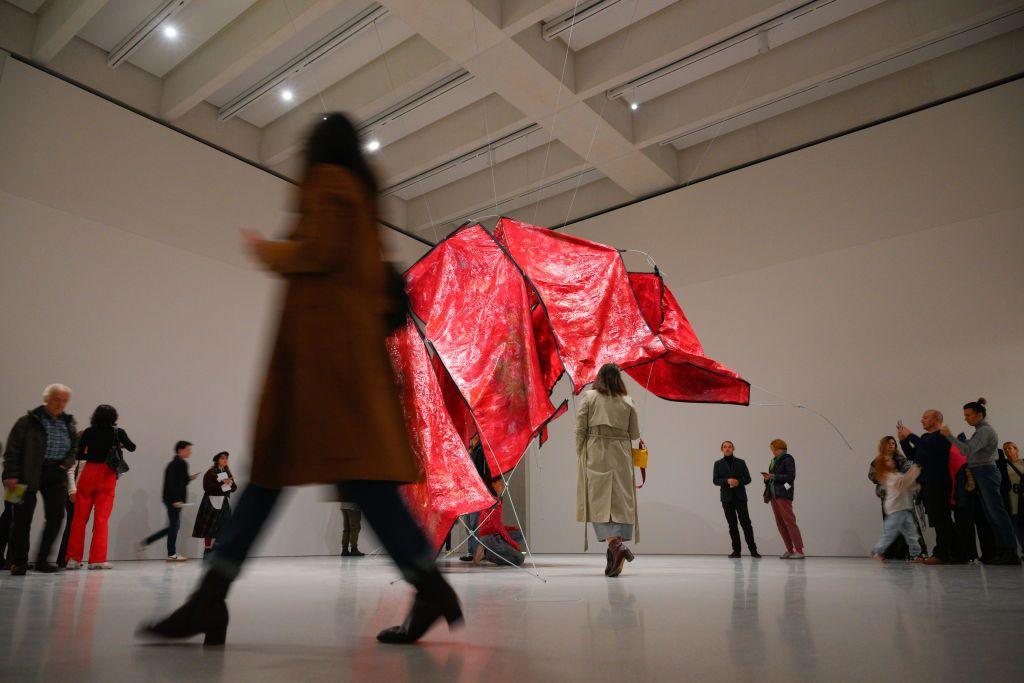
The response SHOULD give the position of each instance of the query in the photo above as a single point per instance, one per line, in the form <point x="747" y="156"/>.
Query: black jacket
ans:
<point x="784" y="473"/>
<point x="176" y="481"/>
<point x="26" y="448"/>
<point x="931" y="452"/>
<point x="731" y="468"/>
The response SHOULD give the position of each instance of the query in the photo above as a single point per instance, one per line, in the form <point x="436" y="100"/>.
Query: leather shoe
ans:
<point x="755" y="554"/>
<point x="44" y="567"/>
<point x="621" y="554"/>
<point x="18" y="570"/>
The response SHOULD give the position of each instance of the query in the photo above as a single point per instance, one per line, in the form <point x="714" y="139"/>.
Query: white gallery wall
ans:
<point x="120" y="275"/>
<point x="869" y="277"/>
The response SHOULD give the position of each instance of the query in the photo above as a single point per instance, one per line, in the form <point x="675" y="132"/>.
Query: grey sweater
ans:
<point x="983" y="446"/>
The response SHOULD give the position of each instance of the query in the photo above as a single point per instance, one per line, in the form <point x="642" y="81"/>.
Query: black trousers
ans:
<point x="6" y="520"/>
<point x="970" y="520"/>
<point x="62" y="552"/>
<point x="734" y="509"/>
<point x="170" y="531"/>
<point x="53" y="485"/>
<point x="936" y="504"/>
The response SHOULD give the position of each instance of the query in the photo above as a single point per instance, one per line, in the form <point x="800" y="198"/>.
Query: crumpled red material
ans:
<point x="683" y="373"/>
<point x="475" y="306"/>
<point x="450" y="486"/>
<point x="458" y="409"/>
<point x="585" y="291"/>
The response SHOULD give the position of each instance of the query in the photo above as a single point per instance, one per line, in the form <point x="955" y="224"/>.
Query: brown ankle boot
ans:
<point x="620" y="555"/>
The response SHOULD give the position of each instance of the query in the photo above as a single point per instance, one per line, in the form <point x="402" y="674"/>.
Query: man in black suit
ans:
<point x="731" y="476"/>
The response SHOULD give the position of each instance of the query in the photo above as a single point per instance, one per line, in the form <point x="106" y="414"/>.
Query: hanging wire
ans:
<point x="554" y="114"/>
<point x="600" y="115"/>
<point x="792" y="404"/>
<point x="316" y="84"/>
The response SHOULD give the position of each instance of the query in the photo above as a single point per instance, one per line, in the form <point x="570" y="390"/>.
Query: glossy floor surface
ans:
<point x="665" y="619"/>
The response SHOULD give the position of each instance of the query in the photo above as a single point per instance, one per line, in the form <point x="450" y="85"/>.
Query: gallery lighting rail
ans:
<point x="565" y="21"/>
<point x="415" y="101"/>
<point x="781" y="29"/>
<point x="1010" y="20"/>
<point x="461" y="159"/>
<point x="143" y="31"/>
<point x="342" y="35"/>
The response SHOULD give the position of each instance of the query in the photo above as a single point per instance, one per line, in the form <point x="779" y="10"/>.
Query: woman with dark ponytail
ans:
<point x="982" y="452"/>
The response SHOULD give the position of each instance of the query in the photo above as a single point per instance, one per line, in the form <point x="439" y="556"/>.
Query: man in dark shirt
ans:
<point x="931" y="452"/>
<point x="176" y="481"/>
<point x="731" y="476"/>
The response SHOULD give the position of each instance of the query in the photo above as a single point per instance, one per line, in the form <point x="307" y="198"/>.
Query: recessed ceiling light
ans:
<point x="287" y="95"/>
<point x="170" y="31"/>
<point x="634" y="106"/>
<point x="373" y="145"/>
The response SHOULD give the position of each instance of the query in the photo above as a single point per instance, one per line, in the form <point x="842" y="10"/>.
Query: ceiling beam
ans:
<point x="408" y="67"/>
<point x="476" y="192"/>
<point x="254" y="34"/>
<point x="59" y="22"/>
<point x="537" y="78"/>
<point x="874" y="35"/>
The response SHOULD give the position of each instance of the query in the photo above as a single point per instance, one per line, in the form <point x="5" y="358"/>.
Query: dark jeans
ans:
<point x="6" y="519"/>
<point x="970" y="516"/>
<point x="382" y="506"/>
<point x="170" y="531"/>
<point x="472" y="519"/>
<point x="53" y="485"/>
<point x="734" y="509"/>
<point x="501" y="552"/>
<point x="936" y="504"/>
<point x="62" y="552"/>
<point x="987" y="478"/>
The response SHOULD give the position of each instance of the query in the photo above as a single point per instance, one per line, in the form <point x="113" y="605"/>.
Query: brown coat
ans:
<point x="330" y="410"/>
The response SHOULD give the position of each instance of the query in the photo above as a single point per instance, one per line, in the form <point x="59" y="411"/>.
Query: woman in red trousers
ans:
<point x="96" y="482"/>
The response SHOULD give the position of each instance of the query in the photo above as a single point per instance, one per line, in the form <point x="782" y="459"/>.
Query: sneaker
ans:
<point x="734" y="554"/>
<point x="796" y="556"/>
<point x="786" y="556"/>
<point x="100" y="565"/>
<point x="756" y="555"/>
<point x="73" y="565"/>
<point x="176" y="558"/>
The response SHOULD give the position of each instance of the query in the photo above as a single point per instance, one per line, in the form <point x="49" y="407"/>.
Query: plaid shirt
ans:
<point x="58" y="441"/>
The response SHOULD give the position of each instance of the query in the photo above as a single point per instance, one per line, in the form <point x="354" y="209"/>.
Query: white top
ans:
<point x="896" y="499"/>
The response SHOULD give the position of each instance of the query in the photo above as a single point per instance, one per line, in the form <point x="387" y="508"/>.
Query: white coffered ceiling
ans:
<point x="512" y="106"/>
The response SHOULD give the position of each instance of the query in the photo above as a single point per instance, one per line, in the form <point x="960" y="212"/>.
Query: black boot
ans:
<point x="344" y="551"/>
<point x="434" y="599"/>
<point x="205" y="612"/>
<point x="354" y="552"/>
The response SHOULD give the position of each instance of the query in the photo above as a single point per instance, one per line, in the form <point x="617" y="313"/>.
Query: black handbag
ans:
<point x="115" y="458"/>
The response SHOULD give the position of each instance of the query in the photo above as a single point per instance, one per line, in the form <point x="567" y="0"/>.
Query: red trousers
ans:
<point x="95" y="490"/>
<point x="784" y="519"/>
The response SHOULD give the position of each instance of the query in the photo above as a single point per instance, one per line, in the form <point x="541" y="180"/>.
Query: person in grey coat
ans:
<point x="982" y="452"/>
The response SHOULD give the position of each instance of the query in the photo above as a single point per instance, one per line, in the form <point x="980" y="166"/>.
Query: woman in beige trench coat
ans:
<point x="606" y="425"/>
<point x="329" y="412"/>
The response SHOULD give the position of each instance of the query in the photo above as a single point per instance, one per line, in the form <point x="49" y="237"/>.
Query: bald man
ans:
<point x="931" y="452"/>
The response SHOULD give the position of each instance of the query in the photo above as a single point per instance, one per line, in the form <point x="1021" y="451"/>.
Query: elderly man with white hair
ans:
<point x="40" y="452"/>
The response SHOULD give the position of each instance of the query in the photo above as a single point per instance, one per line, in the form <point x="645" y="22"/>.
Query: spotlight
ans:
<point x="287" y="95"/>
<point x="373" y="145"/>
<point x="170" y="31"/>
<point x="634" y="106"/>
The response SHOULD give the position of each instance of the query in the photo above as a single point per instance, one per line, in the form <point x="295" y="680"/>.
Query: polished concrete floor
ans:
<point x="665" y="619"/>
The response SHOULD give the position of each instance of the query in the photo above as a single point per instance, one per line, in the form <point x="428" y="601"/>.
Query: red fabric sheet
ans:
<point x="590" y="305"/>
<point x="450" y="486"/>
<point x="458" y="410"/>
<point x="476" y="308"/>
<point x="683" y="373"/>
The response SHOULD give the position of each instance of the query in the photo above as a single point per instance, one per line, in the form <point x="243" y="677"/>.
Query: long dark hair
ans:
<point x="104" y="416"/>
<point x="609" y="381"/>
<point x="334" y="140"/>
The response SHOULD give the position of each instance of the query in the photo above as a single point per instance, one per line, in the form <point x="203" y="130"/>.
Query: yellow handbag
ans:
<point x="640" y="460"/>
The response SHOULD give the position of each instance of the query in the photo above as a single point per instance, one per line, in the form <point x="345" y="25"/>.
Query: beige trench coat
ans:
<point x="605" y="487"/>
